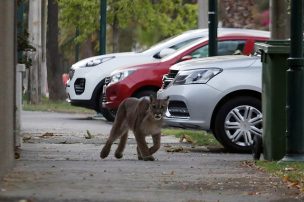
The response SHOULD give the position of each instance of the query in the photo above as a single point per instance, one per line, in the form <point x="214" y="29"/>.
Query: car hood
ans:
<point x="225" y="62"/>
<point x="83" y="62"/>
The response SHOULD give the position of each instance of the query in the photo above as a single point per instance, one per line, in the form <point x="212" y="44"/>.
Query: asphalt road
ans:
<point x="58" y="163"/>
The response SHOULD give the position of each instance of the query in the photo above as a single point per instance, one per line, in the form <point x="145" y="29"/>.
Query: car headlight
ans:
<point x="98" y="61"/>
<point x="196" y="76"/>
<point x="118" y="76"/>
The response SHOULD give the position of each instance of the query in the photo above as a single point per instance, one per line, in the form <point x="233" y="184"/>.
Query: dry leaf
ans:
<point x="187" y="138"/>
<point x="88" y="135"/>
<point x="253" y="193"/>
<point x="176" y="149"/>
<point x="25" y="138"/>
<point x="289" y="169"/>
<point x="45" y="135"/>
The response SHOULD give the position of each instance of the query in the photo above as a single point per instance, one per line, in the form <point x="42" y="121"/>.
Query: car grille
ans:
<point x="178" y="108"/>
<point x="79" y="86"/>
<point x="107" y="80"/>
<point x="167" y="78"/>
<point x="104" y="97"/>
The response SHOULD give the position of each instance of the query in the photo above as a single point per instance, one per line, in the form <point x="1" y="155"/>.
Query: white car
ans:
<point x="87" y="77"/>
<point x="221" y="94"/>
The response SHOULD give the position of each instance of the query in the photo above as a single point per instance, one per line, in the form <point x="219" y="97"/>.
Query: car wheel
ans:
<point x="237" y="122"/>
<point x="109" y="114"/>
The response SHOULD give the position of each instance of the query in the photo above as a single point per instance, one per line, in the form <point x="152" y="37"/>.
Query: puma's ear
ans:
<point x="152" y="97"/>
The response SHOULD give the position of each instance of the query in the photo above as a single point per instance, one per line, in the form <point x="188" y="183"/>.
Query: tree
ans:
<point x="280" y="26"/>
<point x="55" y="85"/>
<point x="131" y="22"/>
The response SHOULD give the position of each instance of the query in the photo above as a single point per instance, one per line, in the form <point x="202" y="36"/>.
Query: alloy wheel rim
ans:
<point x="242" y="123"/>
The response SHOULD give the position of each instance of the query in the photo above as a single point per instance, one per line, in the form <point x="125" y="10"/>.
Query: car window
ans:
<point x="230" y="47"/>
<point x="224" y="48"/>
<point x="183" y="43"/>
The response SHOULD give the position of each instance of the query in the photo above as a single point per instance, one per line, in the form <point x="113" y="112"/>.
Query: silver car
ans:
<point x="221" y="94"/>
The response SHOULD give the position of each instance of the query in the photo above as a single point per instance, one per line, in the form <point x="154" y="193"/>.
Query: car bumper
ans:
<point x="189" y="109"/>
<point x="114" y="94"/>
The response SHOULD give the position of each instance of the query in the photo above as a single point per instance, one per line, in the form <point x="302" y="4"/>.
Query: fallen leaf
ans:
<point x="47" y="134"/>
<point x="289" y="169"/>
<point x="176" y="149"/>
<point x="88" y="135"/>
<point x="26" y="138"/>
<point x="253" y="193"/>
<point x="187" y="138"/>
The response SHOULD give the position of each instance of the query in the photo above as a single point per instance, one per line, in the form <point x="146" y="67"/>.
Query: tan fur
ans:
<point x="140" y="116"/>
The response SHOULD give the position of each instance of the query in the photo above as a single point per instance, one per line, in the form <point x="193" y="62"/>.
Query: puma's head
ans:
<point x="158" y="107"/>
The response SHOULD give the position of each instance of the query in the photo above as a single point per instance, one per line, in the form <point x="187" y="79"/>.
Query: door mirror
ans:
<point x="165" y="52"/>
<point x="186" y="57"/>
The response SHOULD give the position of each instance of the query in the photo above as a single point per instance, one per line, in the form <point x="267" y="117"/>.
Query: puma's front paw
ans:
<point x="148" y="158"/>
<point x="140" y="158"/>
<point x="118" y="155"/>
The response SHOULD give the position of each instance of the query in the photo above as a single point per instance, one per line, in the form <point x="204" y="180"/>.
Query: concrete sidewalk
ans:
<point x="73" y="171"/>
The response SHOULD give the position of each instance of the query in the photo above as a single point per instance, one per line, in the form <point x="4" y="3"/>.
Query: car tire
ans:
<point x="108" y="114"/>
<point x="237" y="122"/>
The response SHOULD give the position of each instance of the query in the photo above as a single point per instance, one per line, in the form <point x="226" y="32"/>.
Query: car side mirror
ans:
<point x="165" y="52"/>
<point x="186" y="57"/>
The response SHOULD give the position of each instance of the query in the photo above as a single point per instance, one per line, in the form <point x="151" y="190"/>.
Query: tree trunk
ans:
<point x="280" y="26"/>
<point x="203" y="14"/>
<point x="86" y="49"/>
<point x="115" y="35"/>
<point x="55" y="84"/>
<point x="34" y="38"/>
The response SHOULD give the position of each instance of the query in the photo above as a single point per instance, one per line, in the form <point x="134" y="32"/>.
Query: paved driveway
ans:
<point x="59" y="164"/>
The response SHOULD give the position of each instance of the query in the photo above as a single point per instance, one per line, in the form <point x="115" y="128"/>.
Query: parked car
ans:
<point x="143" y="80"/>
<point x="86" y="77"/>
<point x="221" y="94"/>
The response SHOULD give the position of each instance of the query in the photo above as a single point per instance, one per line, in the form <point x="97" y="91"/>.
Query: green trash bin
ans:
<point x="274" y="56"/>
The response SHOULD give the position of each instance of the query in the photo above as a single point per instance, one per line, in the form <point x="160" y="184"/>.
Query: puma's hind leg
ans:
<point x="139" y="154"/>
<point x="114" y="135"/>
<point x="121" y="145"/>
<point x="106" y="149"/>
<point x="118" y="129"/>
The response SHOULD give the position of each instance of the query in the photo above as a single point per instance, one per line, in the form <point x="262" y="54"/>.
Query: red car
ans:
<point x="143" y="80"/>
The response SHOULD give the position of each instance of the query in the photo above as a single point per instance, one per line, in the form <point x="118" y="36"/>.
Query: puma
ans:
<point x="144" y="117"/>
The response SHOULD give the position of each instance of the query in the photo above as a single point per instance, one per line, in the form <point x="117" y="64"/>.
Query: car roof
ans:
<point x="204" y="33"/>
<point x="228" y="32"/>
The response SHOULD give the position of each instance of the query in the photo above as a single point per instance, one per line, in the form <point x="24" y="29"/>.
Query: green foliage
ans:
<point x="54" y="106"/>
<point x="151" y="21"/>
<point x="292" y="173"/>
<point x="23" y="44"/>
<point x="198" y="137"/>
<point x="78" y="14"/>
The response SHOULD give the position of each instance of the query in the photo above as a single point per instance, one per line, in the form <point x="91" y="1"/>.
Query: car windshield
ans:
<point x="179" y="43"/>
<point x="155" y="46"/>
<point x="184" y="48"/>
